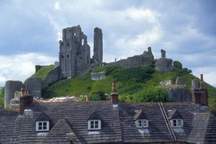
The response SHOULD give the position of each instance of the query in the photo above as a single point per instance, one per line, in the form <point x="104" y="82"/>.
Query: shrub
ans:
<point x="177" y="65"/>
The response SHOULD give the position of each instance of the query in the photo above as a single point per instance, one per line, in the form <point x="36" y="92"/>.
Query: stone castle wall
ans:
<point x="164" y="64"/>
<point x="74" y="55"/>
<point x="34" y="87"/>
<point x="10" y="88"/>
<point x="146" y="58"/>
<point x="98" y="46"/>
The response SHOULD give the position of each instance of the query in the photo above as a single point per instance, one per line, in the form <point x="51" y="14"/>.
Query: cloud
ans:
<point x="209" y="74"/>
<point x="21" y="66"/>
<point x="57" y="5"/>
<point x="184" y="28"/>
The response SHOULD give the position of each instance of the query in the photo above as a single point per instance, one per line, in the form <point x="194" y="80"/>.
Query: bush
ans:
<point x="100" y="95"/>
<point x="150" y="94"/>
<point x="177" y="65"/>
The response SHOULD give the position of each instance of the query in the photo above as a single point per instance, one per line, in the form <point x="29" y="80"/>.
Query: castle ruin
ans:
<point x="75" y="59"/>
<point x="74" y="55"/>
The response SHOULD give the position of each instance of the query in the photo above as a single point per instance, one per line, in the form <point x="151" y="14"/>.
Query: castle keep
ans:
<point x="74" y="59"/>
<point x="74" y="55"/>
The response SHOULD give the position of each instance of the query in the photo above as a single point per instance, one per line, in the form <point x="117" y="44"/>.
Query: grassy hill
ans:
<point x="1" y="97"/>
<point x="134" y="85"/>
<point x="42" y="73"/>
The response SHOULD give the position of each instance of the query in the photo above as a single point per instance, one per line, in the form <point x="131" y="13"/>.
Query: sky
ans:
<point x="30" y="31"/>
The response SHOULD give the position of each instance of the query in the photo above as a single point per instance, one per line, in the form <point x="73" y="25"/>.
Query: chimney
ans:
<point x="114" y="95"/>
<point x="199" y="92"/>
<point x="201" y="77"/>
<point x="25" y="100"/>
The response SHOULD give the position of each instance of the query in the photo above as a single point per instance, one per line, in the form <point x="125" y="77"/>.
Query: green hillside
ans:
<point x="1" y="97"/>
<point x="42" y="73"/>
<point x="134" y="85"/>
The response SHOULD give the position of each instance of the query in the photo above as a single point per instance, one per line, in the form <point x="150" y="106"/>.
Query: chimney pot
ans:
<point x="201" y="77"/>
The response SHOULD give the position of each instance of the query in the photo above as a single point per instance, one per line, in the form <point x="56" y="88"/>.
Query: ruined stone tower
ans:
<point x="164" y="64"/>
<point x="74" y="56"/>
<point x="98" y="46"/>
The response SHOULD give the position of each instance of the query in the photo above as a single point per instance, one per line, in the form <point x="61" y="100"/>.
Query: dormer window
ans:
<point x="177" y="123"/>
<point x="94" y="124"/>
<point x="142" y="123"/>
<point x="42" y="126"/>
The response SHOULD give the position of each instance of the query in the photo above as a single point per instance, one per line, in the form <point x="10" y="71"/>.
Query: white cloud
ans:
<point x="129" y="27"/>
<point x="57" y="5"/>
<point x="141" y="14"/>
<point x="21" y="66"/>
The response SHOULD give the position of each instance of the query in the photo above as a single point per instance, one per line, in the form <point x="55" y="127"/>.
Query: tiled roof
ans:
<point x="174" y="114"/>
<point x="69" y="123"/>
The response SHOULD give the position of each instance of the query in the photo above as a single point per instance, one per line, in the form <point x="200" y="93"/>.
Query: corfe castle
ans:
<point x="74" y="59"/>
<point x="29" y="120"/>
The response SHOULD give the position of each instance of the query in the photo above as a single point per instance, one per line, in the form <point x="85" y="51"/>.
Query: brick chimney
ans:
<point x="25" y="100"/>
<point x="200" y="94"/>
<point x="114" y="95"/>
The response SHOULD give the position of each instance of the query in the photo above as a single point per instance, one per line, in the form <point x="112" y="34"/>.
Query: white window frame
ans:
<point x="94" y="124"/>
<point x="42" y="128"/>
<point x="177" y="123"/>
<point x="142" y="123"/>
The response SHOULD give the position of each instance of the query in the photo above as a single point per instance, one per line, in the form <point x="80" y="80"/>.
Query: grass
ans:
<point x="134" y="85"/>
<point x="131" y="84"/>
<point x="43" y="72"/>
<point x="1" y="97"/>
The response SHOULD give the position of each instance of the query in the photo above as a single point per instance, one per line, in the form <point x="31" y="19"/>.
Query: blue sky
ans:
<point x="30" y="30"/>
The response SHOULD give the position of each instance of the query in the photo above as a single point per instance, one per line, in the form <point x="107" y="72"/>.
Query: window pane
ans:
<point x="40" y="127"/>
<point x="92" y="124"/>
<point x="174" y="123"/>
<point x="45" y="124"/>
<point x="96" y="124"/>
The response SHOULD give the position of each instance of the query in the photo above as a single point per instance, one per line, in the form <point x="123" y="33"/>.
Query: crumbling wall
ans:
<point x="10" y="88"/>
<point x="74" y="56"/>
<point x="164" y="64"/>
<point x="34" y="86"/>
<point x="98" y="46"/>
<point x="146" y="58"/>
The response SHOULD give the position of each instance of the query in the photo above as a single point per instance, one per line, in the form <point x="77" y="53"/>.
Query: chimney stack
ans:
<point x="114" y="95"/>
<point x="201" y="77"/>
<point x="25" y="100"/>
<point x="199" y="92"/>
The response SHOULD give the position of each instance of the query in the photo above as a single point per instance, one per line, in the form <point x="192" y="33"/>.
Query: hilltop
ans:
<point x="140" y="84"/>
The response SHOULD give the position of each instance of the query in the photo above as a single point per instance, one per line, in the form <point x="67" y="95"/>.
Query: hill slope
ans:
<point x="1" y="97"/>
<point x="134" y="85"/>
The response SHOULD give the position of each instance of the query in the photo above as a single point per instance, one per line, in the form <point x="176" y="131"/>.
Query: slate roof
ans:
<point x="69" y="123"/>
<point x="174" y="114"/>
